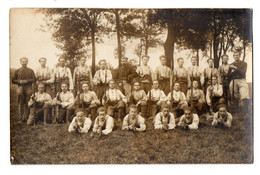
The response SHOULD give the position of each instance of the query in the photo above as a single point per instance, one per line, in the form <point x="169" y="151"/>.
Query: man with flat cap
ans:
<point x="222" y="117"/>
<point x="45" y="75"/>
<point x="24" y="77"/>
<point x="189" y="120"/>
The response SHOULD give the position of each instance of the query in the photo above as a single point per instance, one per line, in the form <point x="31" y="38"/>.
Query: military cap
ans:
<point x="164" y="105"/>
<point x="210" y="59"/>
<point x="145" y="56"/>
<point x="188" y="108"/>
<point x="102" y="108"/>
<point x="42" y="58"/>
<point x="180" y="59"/>
<point x="24" y="58"/>
<point x="222" y="105"/>
<point x="103" y="60"/>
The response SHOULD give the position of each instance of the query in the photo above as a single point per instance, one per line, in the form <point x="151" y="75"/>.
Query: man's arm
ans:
<point x="157" y="122"/>
<point x="87" y="125"/>
<point x="141" y="122"/>
<point x="125" y="123"/>
<point x="195" y="122"/>
<point x="171" y="124"/>
<point x="109" y="126"/>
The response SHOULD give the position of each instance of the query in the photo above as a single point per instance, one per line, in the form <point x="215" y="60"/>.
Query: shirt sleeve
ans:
<point x="72" y="126"/>
<point x="70" y="78"/>
<point x="95" y="127"/>
<point x="109" y="75"/>
<point x="219" y="91"/>
<point x="171" y="124"/>
<point x="208" y="100"/>
<point x="109" y="126"/>
<point x="215" y="119"/>
<point x="202" y="97"/>
<point x="229" y="120"/>
<point x="87" y="125"/>
<point x="141" y="122"/>
<point x="123" y="98"/>
<point x="125" y="123"/>
<point x="162" y="96"/>
<point x="181" y="122"/>
<point x="195" y="122"/>
<point x="157" y="121"/>
<point x="95" y="98"/>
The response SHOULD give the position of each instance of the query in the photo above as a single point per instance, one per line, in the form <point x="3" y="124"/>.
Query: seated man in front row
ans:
<point x="87" y="100"/>
<point x="104" y="123"/>
<point x="189" y="120"/>
<point x="134" y="121"/>
<point x="80" y="123"/>
<point x="42" y="102"/>
<point x="115" y="101"/>
<point x="222" y="117"/>
<point x="164" y="119"/>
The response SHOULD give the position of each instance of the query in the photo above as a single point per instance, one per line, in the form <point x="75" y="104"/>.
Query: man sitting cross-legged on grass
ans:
<point x="80" y="123"/>
<point x="189" y="120"/>
<point x="139" y="98"/>
<point x="115" y="101"/>
<point x="104" y="123"/>
<point x="87" y="100"/>
<point x="42" y="102"/>
<point x="222" y="117"/>
<point x="164" y="119"/>
<point x="64" y="101"/>
<point x="133" y="121"/>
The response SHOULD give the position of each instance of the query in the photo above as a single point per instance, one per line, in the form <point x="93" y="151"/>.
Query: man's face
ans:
<point x="43" y="62"/>
<point x="62" y="62"/>
<point x="102" y="65"/>
<point x="24" y="62"/>
<point x="145" y="60"/>
<point x="64" y="87"/>
<point x="163" y="61"/>
<point x="102" y="116"/>
<point x="165" y="111"/>
<point x="180" y="62"/>
<point x="155" y="85"/>
<point x="112" y="85"/>
<point x="211" y="63"/>
<point x="224" y="60"/>
<point x="177" y="86"/>
<point x="195" y="84"/>
<point x="136" y="86"/>
<point x="194" y="61"/>
<point x="41" y="89"/>
<point x="80" y="116"/>
<point x="85" y="87"/>
<point x="187" y="114"/>
<point x="82" y="62"/>
<point x="133" y="112"/>
<point x="236" y="56"/>
<point x="214" y="81"/>
<point x="123" y="61"/>
<point x="222" y="111"/>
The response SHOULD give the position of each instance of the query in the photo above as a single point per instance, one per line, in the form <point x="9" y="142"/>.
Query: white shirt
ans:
<point x="177" y="96"/>
<point x="100" y="75"/>
<point x="65" y="98"/>
<point x="139" y="121"/>
<point x="40" y="97"/>
<point x="45" y="73"/>
<point x="114" y="95"/>
<point x="217" y="92"/>
<point x="157" y="95"/>
<point x="109" y="125"/>
<point x="62" y="72"/>
<point x="161" y="120"/>
<point x="193" y="123"/>
<point x="75" y="124"/>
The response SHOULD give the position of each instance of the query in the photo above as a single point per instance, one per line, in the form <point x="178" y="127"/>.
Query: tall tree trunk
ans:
<point x="118" y="29"/>
<point x="169" y="43"/>
<point x="93" y="52"/>
<point x="210" y="49"/>
<point x="215" y="43"/>
<point x="244" y="48"/>
<point x="198" y="59"/>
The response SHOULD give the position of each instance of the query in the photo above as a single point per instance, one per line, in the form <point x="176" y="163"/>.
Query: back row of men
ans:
<point x="128" y="85"/>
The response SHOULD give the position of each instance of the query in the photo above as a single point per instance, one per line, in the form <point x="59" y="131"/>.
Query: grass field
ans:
<point x="52" y="144"/>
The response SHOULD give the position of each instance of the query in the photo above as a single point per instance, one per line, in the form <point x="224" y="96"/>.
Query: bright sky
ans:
<point x="27" y="40"/>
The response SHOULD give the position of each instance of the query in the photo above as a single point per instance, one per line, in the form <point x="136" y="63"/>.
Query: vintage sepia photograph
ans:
<point x="131" y="86"/>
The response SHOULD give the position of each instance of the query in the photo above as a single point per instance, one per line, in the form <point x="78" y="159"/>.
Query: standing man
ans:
<point x="194" y="71"/>
<point x="181" y="75"/>
<point x="42" y="104"/>
<point x="45" y="75"/>
<point x="101" y="79"/>
<point x="223" y="76"/>
<point x="24" y="77"/>
<point x="63" y="73"/>
<point x="82" y="73"/>
<point x="238" y="75"/>
<point x="145" y="73"/>
<point x="115" y="101"/>
<point x="208" y="72"/>
<point x="162" y="74"/>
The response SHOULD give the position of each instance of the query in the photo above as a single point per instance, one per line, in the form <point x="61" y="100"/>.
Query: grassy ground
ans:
<point x="52" y="144"/>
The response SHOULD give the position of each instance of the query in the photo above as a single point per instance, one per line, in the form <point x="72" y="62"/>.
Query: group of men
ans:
<point x="130" y="94"/>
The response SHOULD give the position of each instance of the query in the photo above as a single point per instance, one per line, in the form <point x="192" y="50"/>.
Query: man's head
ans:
<point x="24" y="61"/>
<point x="42" y="61"/>
<point x="165" y="109"/>
<point x="188" y="112"/>
<point x="40" y="87"/>
<point x="195" y="84"/>
<point x="102" y="113"/>
<point x="236" y="55"/>
<point x="224" y="59"/>
<point x="124" y="60"/>
<point x="222" y="109"/>
<point x="155" y="84"/>
<point x="133" y="111"/>
<point x="132" y="61"/>
<point x="82" y="61"/>
<point x="194" y="61"/>
<point x="214" y="80"/>
<point x="62" y="62"/>
<point x="210" y="61"/>
<point x="102" y="64"/>
<point x="64" y="87"/>
<point x="177" y="86"/>
<point x="136" y="85"/>
<point x="85" y="87"/>
<point x="180" y="61"/>
<point x="145" y="59"/>
<point x="163" y="60"/>
<point x="111" y="84"/>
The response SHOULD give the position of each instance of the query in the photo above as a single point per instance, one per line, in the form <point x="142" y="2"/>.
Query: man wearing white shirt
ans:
<point x="80" y="123"/>
<point x="104" y="123"/>
<point x="214" y="95"/>
<point x="42" y="102"/>
<point x="114" y="100"/>
<point x="133" y="121"/>
<point x="155" y="98"/>
<point x="164" y="119"/>
<point x="194" y="72"/>
<point x="177" y="99"/>
<point x="222" y="117"/>
<point x="189" y="120"/>
<point x="63" y="73"/>
<point x="64" y="101"/>
<point x="101" y="79"/>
